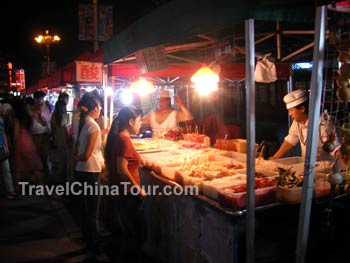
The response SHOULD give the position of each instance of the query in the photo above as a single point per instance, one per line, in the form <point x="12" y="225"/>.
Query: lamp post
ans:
<point x="47" y="40"/>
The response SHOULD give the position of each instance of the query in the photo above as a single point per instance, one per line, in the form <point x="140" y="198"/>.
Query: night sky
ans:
<point x="26" y="19"/>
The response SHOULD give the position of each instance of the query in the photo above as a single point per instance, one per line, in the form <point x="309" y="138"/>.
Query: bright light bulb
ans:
<point x="142" y="87"/>
<point x="126" y="97"/>
<point x="206" y="80"/>
<point x="109" y="91"/>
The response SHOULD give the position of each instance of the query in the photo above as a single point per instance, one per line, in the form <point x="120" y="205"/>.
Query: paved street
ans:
<point x="43" y="229"/>
<point x="38" y="229"/>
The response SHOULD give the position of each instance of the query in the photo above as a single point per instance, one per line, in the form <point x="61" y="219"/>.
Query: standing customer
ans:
<point x="123" y="163"/>
<point x="63" y="96"/>
<point x="89" y="164"/>
<point x="60" y="144"/>
<point x="41" y="130"/>
<point x="4" y="163"/>
<point x="26" y="158"/>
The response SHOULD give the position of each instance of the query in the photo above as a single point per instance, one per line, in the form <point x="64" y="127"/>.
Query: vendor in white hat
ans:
<point x="297" y="104"/>
<point x="165" y="117"/>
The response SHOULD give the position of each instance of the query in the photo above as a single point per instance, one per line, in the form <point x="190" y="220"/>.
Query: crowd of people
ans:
<point x="50" y="149"/>
<point x="26" y="137"/>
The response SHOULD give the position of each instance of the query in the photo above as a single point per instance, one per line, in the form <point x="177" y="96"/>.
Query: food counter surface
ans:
<point x="220" y="176"/>
<point x="210" y="226"/>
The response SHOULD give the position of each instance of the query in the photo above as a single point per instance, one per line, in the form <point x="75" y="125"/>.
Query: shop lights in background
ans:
<point x="89" y="88"/>
<point x="142" y="87"/>
<point x="302" y="66"/>
<point x="125" y="96"/>
<point x="205" y="80"/>
<point x="109" y="91"/>
<point x="15" y="93"/>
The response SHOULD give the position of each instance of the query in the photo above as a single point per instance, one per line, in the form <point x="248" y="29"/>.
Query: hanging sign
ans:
<point x="151" y="59"/>
<point x="88" y="71"/>
<point x="104" y="22"/>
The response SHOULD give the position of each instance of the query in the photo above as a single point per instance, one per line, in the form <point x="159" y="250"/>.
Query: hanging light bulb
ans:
<point x="142" y="87"/>
<point x="205" y="80"/>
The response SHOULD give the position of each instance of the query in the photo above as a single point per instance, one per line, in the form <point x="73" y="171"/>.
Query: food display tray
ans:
<point x="228" y="198"/>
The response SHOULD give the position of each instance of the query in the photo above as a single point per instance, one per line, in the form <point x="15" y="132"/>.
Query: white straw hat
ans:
<point x="295" y="98"/>
<point x="163" y="94"/>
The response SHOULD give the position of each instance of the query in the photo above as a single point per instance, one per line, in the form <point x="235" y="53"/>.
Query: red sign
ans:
<point x="89" y="72"/>
<point x="19" y="79"/>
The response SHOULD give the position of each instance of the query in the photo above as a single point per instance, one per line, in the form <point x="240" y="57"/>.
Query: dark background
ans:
<point x="21" y="21"/>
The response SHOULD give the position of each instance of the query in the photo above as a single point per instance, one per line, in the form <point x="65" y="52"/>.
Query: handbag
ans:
<point x="4" y="154"/>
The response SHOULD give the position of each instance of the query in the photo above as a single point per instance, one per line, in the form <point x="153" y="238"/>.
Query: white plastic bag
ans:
<point x="265" y="71"/>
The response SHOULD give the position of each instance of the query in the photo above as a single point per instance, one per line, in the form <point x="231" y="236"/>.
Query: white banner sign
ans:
<point x="89" y="71"/>
<point x="151" y="59"/>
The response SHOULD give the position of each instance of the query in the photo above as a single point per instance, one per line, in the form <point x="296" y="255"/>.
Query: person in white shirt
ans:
<point x="165" y="117"/>
<point x="89" y="163"/>
<point x="297" y="104"/>
<point x="40" y="131"/>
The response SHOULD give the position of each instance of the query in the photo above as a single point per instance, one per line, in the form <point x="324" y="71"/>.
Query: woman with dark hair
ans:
<point x="60" y="145"/>
<point x="26" y="157"/>
<point x="40" y="130"/>
<point x="63" y="96"/>
<point x="5" y="170"/>
<point x="89" y="160"/>
<point x="122" y="164"/>
<point x="121" y="156"/>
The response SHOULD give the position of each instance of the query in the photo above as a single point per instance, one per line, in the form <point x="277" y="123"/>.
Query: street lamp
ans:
<point x="47" y="40"/>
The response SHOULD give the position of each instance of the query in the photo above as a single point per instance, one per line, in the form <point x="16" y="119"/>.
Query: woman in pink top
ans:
<point x="25" y="152"/>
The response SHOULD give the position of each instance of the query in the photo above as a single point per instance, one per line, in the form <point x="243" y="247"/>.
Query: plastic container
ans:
<point x="293" y="195"/>
<point x="241" y="145"/>
<point x="263" y="196"/>
<point x="228" y="145"/>
<point x="288" y="195"/>
<point x="295" y="163"/>
<point x="289" y="160"/>
<point x="194" y="137"/>
<point x="240" y="157"/>
<point x="211" y="188"/>
<point x="237" y="145"/>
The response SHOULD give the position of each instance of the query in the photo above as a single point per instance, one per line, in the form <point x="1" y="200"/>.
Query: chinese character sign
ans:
<point x="104" y="22"/>
<point x="86" y="22"/>
<point x="89" y="72"/>
<point x="151" y="59"/>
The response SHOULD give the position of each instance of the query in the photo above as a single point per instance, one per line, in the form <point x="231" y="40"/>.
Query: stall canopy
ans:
<point x="66" y="74"/>
<point x="182" y="19"/>
<point x="186" y="70"/>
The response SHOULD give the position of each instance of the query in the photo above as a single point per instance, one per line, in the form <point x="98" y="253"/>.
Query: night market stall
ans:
<point x="199" y="228"/>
